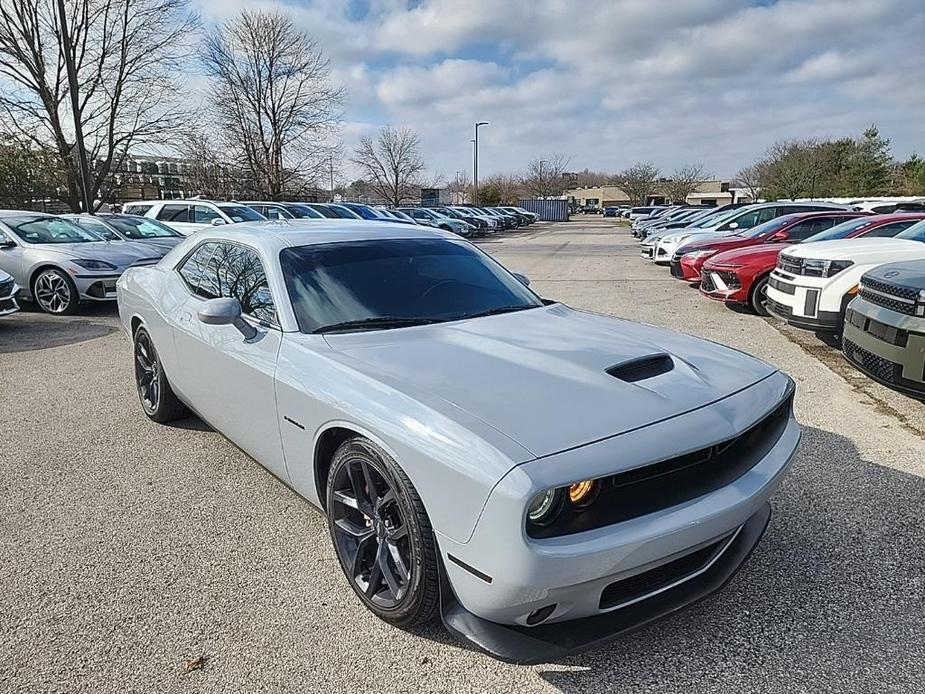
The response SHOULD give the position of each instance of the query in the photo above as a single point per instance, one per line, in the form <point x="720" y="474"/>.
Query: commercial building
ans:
<point x="713" y="193"/>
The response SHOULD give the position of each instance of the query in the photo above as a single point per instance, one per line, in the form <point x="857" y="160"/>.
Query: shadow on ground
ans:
<point x="30" y="329"/>
<point x="833" y="599"/>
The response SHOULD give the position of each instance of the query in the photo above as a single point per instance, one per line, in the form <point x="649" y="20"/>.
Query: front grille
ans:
<point x="643" y="490"/>
<point x="882" y="331"/>
<point x="792" y="265"/>
<point x="661" y="577"/>
<point x="676" y="269"/>
<point x="899" y="299"/>
<point x="779" y="308"/>
<point x="646" y="251"/>
<point x="706" y="282"/>
<point x="879" y="367"/>
<point x="784" y="287"/>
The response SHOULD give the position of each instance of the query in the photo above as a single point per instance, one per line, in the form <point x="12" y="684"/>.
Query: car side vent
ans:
<point x="642" y="368"/>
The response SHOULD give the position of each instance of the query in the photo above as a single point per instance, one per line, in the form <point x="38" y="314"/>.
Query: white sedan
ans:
<point x="543" y="478"/>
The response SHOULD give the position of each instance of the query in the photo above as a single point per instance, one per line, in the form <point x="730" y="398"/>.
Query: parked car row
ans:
<point x="819" y="267"/>
<point x="59" y="261"/>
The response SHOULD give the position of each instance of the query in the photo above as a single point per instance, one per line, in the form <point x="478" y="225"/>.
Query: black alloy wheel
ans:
<point x="759" y="297"/>
<point x="157" y="397"/>
<point x="382" y="535"/>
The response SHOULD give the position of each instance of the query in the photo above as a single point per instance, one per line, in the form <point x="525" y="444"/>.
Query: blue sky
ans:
<point x="609" y="82"/>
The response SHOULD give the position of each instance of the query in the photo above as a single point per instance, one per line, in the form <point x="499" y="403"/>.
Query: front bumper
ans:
<point x="799" y="304"/>
<point x="501" y="575"/>
<point x="723" y="284"/>
<point x="8" y="302"/>
<point x="96" y="287"/>
<point x="550" y="642"/>
<point x="886" y="345"/>
<point x="687" y="269"/>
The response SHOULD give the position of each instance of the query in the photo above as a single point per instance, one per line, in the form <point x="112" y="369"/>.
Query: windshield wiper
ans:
<point x="492" y="312"/>
<point x="375" y="323"/>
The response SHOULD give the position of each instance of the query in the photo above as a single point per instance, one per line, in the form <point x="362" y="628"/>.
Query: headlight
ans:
<point x="700" y="254"/>
<point x="91" y="264"/>
<point x="545" y="507"/>
<point x="824" y="268"/>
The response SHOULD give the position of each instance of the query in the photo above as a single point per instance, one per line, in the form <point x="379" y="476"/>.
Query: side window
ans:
<point x="192" y="269"/>
<point x="889" y="230"/>
<point x="239" y="274"/>
<point x="140" y="210"/>
<point x="174" y="213"/>
<point x="803" y="230"/>
<point x="272" y="213"/>
<point x="203" y="214"/>
<point x="98" y="228"/>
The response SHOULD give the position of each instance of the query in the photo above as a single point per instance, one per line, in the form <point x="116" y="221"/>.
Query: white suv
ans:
<point x="814" y="282"/>
<point x="188" y="216"/>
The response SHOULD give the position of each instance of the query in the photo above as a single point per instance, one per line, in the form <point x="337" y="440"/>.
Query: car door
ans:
<point x="177" y="215"/>
<point x="229" y="380"/>
<point x="205" y="216"/>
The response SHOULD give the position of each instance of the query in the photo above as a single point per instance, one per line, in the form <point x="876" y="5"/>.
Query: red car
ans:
<point x="687" y="260"/>
<point x="740" y="276"/>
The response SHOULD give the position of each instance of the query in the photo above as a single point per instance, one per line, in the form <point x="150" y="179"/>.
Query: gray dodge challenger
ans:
<point x="544" y="479"/>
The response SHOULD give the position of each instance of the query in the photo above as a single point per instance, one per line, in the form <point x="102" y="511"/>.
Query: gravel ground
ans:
<point x="143" y="558"/>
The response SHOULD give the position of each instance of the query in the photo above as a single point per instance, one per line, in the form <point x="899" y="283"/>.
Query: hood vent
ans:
<point x="642" y="368"/>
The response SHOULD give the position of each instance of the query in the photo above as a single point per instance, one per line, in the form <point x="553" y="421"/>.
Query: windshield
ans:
<point x="402" y="216"/>
<point x="914" y="233"/>
<point x="716" y="218"/>
<point x="142" y="228"/>
<point x="240" y="213"/>
<point x="766" y="228"/>
<point x="405" y="280"/>
<point x="50" y="230"/>
<point x="343" y="212"/>
<point x="303" y="211"/>
<point x="363" y="211"/>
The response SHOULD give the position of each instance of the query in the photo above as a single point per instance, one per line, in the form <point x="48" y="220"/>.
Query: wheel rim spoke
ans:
<point x="390" y="579"/>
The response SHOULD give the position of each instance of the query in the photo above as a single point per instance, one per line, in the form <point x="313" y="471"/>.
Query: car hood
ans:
<point x="910" y="273"/>
<point x="765" y="253"/>
<point x="860" y="250"/>
<point x="541" y="376"/>
<point x="122" y="254"/>
<point x="160" y="245"/>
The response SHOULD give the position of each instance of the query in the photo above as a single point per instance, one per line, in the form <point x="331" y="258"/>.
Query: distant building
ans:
<point x="146" y="177"/>
<point x="711" y="193"/>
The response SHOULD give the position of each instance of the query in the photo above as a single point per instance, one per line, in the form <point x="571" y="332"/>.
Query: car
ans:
<point x="508" y="221"/>
<point x="190" y="216"/>
<point x="884" y="331"/>
<point x="531" y="217"/>
<point x="493" y="223"/>
<point x="522" y="219"/>
<point x="735" y="222"/>
<point x="612" y="211"/>
<point x="811" y="286"/>
<point x="479" y="224"/>
<point x="631" y="479"/>
<point x="58" y="263"/>
<point x="651" y="237"/>
<point x="127" y="227"/>
<point x="8" y="291"/>
<point x="399" y="216"/>
<point x="368" y="213"/>
<point x="270" y="210"/>
<point x="741" y="276"/>
<point x="643" y="212"/>
<point x="435" y="219"/>
<point x="689" y="259"/>
<point x="342" y="212"/>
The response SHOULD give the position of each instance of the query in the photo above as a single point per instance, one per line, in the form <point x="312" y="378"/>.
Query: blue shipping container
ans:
<point x="548" y="210"/>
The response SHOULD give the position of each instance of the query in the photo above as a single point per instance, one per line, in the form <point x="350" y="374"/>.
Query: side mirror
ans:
<point x="779" y="236"/>
<point x="6" y="243"/>
<point x="523" y="279"/>
<point x="225" y="312"/>
<point x="218" y="221"/>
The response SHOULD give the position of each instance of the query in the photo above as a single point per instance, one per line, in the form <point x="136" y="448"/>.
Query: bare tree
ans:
<point x="749" y="177"/>
<point x="684" y="181"/>
<point x="391" y="163"/>
<point x="277" y="107"/>
<point x="127" y="55"/>
<point x="639" y="182"/>
<point x="544" y="177"/>
<point x="460" y="188"/>
<point x="208" y="173"/>
<point x="505" y="188"/>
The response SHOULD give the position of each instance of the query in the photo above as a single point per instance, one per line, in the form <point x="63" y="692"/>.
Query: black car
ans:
<point x="508" y="221"/>
<point x="479" y="223"/>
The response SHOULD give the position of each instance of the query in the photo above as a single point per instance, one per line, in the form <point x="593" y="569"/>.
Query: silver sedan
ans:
<point x="58" y="264"/>
<point x="544" y="479"/>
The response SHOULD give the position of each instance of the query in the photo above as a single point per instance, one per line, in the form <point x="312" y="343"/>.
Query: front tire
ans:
<point x="55" y="292"/>
<point x="157" y="397"/>
<point x="382" y="535"/>
<point x="759" y="297"/>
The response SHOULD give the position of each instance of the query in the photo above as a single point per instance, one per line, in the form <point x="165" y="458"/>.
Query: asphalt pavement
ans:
<point x="136" y="557"/>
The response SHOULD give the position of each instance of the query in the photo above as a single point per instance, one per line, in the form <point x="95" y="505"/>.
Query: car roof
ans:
<point x="6" y="214"/>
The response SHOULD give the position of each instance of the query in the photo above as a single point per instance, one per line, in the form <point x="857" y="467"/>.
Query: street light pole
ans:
<point x="475" y="163"/>
<point x="542" y="180"/>
<point x="75" y="108"/>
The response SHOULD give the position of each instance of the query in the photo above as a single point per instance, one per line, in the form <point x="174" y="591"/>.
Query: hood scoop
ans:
<point x="642" y="368"/>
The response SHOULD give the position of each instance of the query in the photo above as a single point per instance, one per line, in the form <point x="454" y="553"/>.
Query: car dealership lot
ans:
<point x="132" y="549"/>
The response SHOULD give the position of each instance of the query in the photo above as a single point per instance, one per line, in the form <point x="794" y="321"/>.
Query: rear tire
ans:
<point x="759" y="296"/>
<point x="157" y="397"/>
<point x="381" y="534"/>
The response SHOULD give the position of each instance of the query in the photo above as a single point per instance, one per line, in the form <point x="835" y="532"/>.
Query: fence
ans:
<point x="548" y="210"/>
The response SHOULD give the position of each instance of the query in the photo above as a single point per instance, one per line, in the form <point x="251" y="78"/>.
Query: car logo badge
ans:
<point x="891" y="273"/>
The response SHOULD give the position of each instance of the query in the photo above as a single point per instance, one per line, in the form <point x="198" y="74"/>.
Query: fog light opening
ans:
<point x="540" y="615"/>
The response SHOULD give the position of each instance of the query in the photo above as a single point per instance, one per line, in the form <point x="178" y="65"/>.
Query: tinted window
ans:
<point x="890" y="230"/>
<point x="304" y="212"/>
<point x="329" y="214"/>
<point x="273" y="212"/>
<point x="174" y="213"/>
<point x="914" y="233"/>
<point x="842" y="230"/>
<point x="203" y="214"/>
<point x="343" y="212"/>
<point x="428" y="279"/>
<point x="235" y="271"/>
<point x="98" y="228"/>
<point x="136" y="209"/>
<point x="142" y="228"/>
<point x="240" y="213"/>
<point x="193" y="267"/>
<point x="803" y="230"/>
